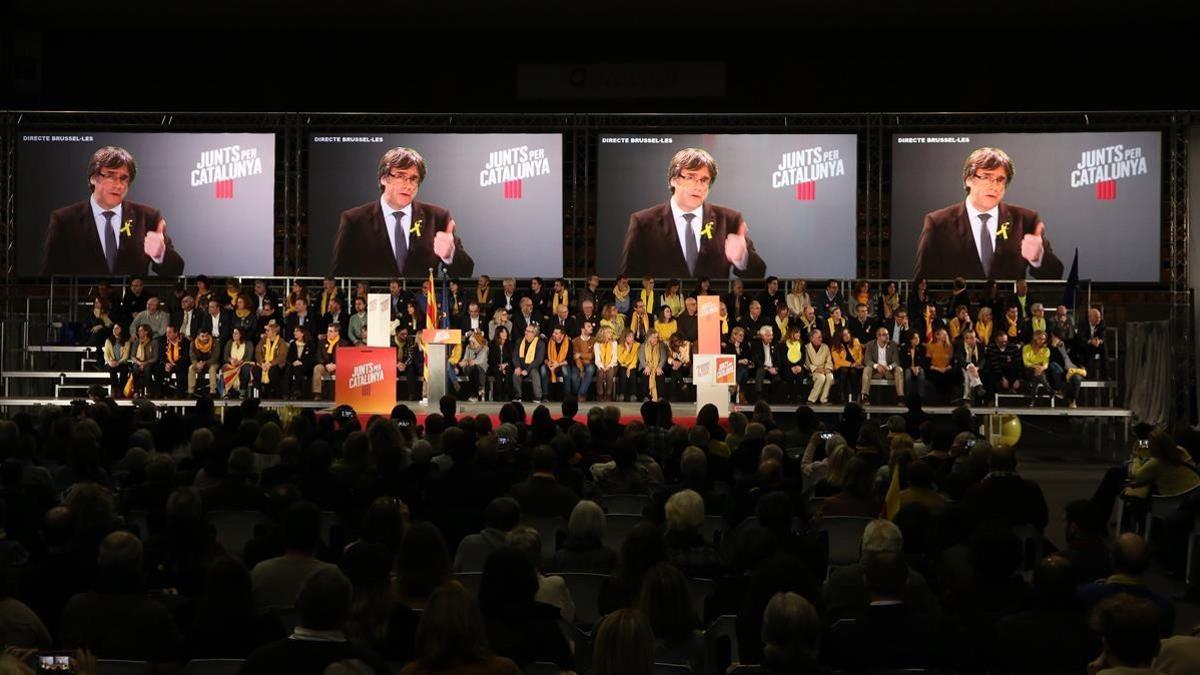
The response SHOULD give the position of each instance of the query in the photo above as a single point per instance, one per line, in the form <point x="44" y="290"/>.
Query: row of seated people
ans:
<point x="937" y="582"/>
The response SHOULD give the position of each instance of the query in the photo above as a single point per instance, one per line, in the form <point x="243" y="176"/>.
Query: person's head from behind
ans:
<point x="120" y="553"/>
<point x="1130" y="555"/>
<point x="1129" y="628"/>
<point x="423" y="563"/>
<point x="587" y="522"/>
<point x="1002" y="458"/>
<point x="858" y="478"/>
<point x="502" y="513"/>
<point x="1084" y="521"/>
<point x="685" y="511"/>
<point x="643" y="547"/>
<point x="528" y="542"/>
<point x="302" y="528"/>
<point x="666" y="602"/>
<point x="451" y="630"/>
<point x="323" y="602"/>
<point x="624" y="644"/>
<point x="1055" y="582"/>
<point x="881" y="536"/>
<point x="509" y="580"/>
<point x="791" y="632"/>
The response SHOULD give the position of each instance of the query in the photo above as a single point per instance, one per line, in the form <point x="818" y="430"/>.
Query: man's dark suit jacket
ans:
<point x="226" y="326"/>
<point x="947" y="249"/>
<point x="652" y="246"/>
<point x="364" y="249"/>
<point x="73" y="244"/>
<point x="197" y="320"/>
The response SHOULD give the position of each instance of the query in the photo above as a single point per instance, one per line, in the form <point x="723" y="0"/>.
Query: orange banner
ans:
<point x="366" y="379"/>
<point x="709" y="324"/>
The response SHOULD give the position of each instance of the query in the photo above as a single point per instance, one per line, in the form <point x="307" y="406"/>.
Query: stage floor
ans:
<point x="680" y="409"/>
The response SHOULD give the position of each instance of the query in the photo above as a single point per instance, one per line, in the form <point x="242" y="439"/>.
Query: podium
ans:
<point x="436" y="340"/>
<point x="366" y="379"/>
<point x="712" y="371"/>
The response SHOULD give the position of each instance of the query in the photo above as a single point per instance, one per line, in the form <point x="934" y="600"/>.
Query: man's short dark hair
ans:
<point x="543" y="458"/>
<point x="1130" y="555"/>
<point x="302" y="527"/>
<point x="1086" y="516"/>
<point x="570" y="406"/>
<point x="448" y="405"/>
<point x="323" y="602"/>
<point x="111" y="157"/>
<point x="1130" y="627"/>
<point x="502" y="513"/>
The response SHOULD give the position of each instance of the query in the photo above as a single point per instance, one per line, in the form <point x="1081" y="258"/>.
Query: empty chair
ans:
<point x="235" y="528"/>
<point x="722" y="631"/>
<point x="213" y="667"/>
<point x="700" y="591"/>
<point x="617" y="527"/>
<point x="585" y="591"/>
<point x="625" y="503"/>
<point x="548" y="527"/>
<point x="845" y="538"/>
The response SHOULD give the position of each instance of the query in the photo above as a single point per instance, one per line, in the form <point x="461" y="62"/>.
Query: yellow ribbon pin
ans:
<point x="415" y="229"/>
<point x="127" y="228"/>
<point x="707" y="231"/>
<point x="1003" y="231"/>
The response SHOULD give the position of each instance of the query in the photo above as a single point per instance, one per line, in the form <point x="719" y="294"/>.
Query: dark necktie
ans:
<point x="110" y="241"/>
<point x="690" y="251"/>
<point x="401" y="241"/>
<point x="985" y="239"/>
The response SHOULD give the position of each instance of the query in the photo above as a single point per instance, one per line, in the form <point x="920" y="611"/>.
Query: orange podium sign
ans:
<point x="441" y="336"/>
<point x="709" y="324"/>
<point x="366" y="379"/>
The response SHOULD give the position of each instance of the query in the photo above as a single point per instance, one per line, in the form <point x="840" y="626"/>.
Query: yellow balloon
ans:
<point x="1007" y="431"/>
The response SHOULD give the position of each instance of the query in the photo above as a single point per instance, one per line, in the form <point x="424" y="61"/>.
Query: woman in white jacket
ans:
<point x="605" y="358"/>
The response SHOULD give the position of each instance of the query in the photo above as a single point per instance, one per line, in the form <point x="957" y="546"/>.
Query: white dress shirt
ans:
<point x="97" y="214"/>
<point x="993" y="224"/>
<point x="389" y="218"/>
<point x="697" y="227"/>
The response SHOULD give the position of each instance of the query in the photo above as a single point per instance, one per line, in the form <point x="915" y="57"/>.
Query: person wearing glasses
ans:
<point x="395" y="235"/>
<point x="984" y="237"/>
<point x="688" y="237"/>
<point x="106" y="234"/>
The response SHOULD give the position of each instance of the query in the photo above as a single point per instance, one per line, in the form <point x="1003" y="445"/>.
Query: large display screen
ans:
<point x="146" y="203"/>
<point x="795" y="194"/>
<point x="479" y="203"/>
<point x="1097" y="192"/>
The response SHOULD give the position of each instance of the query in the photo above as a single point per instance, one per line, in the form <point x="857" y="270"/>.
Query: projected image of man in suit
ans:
<point x="396" y="235"/>
<point x="984" y="237"/>
<point x="687" y="236"/>
<point x="107" y="234"/>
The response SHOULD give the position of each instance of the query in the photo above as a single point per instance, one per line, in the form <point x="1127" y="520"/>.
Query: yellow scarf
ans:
<point x="330" y="345"/>
<point x="557" y="351"/>
<point x="204" y="346"/>
<point x="527" y="351"/>
<point x="795" y="351"/>
<point x="983" y="331"/>
<point x="665" y="329"/>
<point x="232" y="295"/>
<point x="620" y="294"/>
<point x="627" y="355"/>
<point x="605" y="352"/>
<point x="483" y="296"/>
<point x="557" y="299"/>
<point x="725" y="325"/>
<point x="241" y="313"/>
<point x="1012" y="327"/>
<point x="647" y="296"/>
<point x="143" y="345"/>
<point x="456" y="354"/>
<point x="652" y="363"/>
<point x="1038" y="324"/>
<point x="237" y="351"/>
<point x="326" y="296"/>
<point x="173" y="351"/>
<point x="269" y="349"/>
<point x="783" y="325"/>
